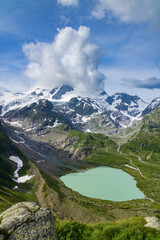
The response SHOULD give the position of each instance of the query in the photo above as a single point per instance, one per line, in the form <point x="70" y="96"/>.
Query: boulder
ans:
<point x="153" y="222"/>
<point x="26" y="220"/>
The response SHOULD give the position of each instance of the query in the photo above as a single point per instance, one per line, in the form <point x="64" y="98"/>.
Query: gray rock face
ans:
<point x="83" y="106"/>
<point x="63" y="90"/>
<point x="154" y="104"/>
<point x="153" y="222"/>
<point x="26" y="220"/>
<point x="1" y="109"/>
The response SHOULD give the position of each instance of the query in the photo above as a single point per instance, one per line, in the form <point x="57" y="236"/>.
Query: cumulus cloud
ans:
<point x="68" y="2"/>
<point x="70" y="59"/>
<point x="150" y="83"/>
<point x="129" y="11"/>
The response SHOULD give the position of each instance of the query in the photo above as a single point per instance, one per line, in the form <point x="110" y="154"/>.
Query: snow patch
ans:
<point x="19" y="166"/>
<point x="88" y="131"/>
<point x="85" y="119"/>
<point x="24" y="178"/>
<point x="56" y="123"/>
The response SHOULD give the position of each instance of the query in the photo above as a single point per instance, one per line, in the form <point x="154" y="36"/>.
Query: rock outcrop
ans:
<point x="153" y="222"/>
<point x="26" y="220"/>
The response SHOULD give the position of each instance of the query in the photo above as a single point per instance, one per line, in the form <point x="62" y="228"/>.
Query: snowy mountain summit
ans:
<point x="125" y="108"/>
<point x="87" y="113"/>
<point x="154" y="104"/>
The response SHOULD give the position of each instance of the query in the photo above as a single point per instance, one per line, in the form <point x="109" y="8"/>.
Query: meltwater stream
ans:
<point x="104" y="183"/>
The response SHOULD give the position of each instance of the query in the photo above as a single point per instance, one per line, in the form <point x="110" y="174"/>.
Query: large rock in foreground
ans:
<point x="153" y="222"/>
<point x="26" y="220"/>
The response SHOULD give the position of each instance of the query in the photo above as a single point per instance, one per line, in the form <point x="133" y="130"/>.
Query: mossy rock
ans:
<point x="26" y="220"/>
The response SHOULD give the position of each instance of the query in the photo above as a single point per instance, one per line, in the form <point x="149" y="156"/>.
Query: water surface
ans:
<point x="104" y="183"/>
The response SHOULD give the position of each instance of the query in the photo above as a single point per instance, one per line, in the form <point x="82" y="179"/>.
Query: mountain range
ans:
<point x="55" y="132"/>
<point x="62" y="105"/>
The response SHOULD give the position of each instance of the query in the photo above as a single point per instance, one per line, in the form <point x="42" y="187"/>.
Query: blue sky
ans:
<point x="127" y="36"/>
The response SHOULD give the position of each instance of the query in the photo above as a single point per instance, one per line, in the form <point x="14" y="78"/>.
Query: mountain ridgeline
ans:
<point x="62" y="105"/>
<point x="55" y="132"/>
<point x="40" y="114"/>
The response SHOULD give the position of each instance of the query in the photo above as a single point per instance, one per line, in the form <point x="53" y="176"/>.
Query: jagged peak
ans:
<point x="154" y="104"/>
<point x="124" y="94"/>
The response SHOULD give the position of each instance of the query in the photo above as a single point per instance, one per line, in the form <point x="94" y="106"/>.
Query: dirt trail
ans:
<point x="135" y="167"/>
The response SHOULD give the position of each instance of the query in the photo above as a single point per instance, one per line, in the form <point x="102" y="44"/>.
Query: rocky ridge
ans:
<point x="154" y="104"/>
<point x="120" y="109"/>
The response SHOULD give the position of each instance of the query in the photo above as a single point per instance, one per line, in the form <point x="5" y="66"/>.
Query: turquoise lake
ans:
<point x="104" y="183"/>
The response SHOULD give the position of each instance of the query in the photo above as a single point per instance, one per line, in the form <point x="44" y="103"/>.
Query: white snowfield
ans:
<point x="24" y="178"/>
<point x="19" y="166"/>
<point x="128" y="107"/>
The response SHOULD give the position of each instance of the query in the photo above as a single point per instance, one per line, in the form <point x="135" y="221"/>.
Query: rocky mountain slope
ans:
<point x="99" y="113"/>
<point x="13" y="188"/>
<point x="154" y="104"/>
<point x="124" y="108"/>
<point x="146" y="141"/>
<point x="77" y="150"/>
<point x="7" y="149"/>
<point x="37" y="115"/>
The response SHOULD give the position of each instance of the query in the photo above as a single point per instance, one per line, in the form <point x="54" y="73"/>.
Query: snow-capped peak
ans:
<point x="154" y="104"/>
<point x="122" y="108"/>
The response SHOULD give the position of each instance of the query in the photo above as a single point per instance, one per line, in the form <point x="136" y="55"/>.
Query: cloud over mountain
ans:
<point x="132" y="11"/>
<point x="68" y="2"/>
<point x="150" y="83"/>
<point x="70" y="59"/>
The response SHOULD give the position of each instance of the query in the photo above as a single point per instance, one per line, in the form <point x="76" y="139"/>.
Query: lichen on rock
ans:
<point x="153" y="222"/>
<point x="26" y="220"/>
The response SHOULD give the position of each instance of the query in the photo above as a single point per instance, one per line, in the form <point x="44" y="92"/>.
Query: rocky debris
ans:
<point x="81" y="153"/>
<point x="153" y="222"/>
<point x="77" y="153"/>
<point x="101" y="123"/>
<point x="26" y="220"/>
<point x="66" y="142"/>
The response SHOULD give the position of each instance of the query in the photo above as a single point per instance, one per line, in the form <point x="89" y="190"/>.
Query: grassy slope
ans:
<point x="68" y="204"/>
<point x="146" y="142"/>
<point x="103" y="152"/>
<point x="130" y="229"/>
<point x="8" y="196"/>
<point x="91" y="140"/>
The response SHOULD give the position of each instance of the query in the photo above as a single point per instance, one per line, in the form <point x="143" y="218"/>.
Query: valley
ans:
<point x="54" y="145"/>
<point x="79" y="120"/>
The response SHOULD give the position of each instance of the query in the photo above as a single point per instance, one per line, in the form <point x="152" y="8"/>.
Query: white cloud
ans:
<point x="115" y="81"/>
<point x="70" y="59"/>
<point x="68" y="2"/>
<point x="129" y="11"/>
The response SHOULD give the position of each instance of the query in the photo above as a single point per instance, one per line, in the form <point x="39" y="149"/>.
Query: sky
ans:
<point x="88" y="44"/>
